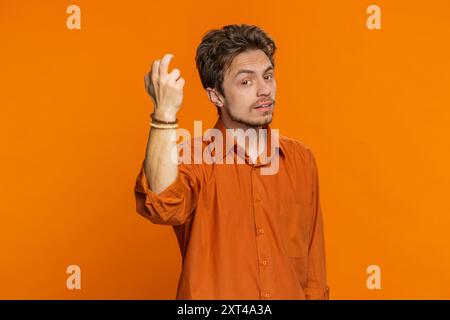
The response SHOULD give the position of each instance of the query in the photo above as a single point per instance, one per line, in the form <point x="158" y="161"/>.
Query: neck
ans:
<point x="231" y="124"/>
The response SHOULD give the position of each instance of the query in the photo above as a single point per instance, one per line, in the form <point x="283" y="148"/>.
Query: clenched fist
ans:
<point x="165" y="89"/>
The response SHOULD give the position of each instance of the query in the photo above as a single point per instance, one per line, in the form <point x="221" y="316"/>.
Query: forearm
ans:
<point x="160" y="169"/>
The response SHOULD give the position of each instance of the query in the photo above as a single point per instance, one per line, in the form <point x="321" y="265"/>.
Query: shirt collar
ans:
<point x="265" y="157"/>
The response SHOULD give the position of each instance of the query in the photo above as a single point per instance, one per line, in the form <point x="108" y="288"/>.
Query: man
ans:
<point x="242" y="234"/>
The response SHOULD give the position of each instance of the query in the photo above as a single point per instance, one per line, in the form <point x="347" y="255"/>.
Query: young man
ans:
<point x="242" y="234"/>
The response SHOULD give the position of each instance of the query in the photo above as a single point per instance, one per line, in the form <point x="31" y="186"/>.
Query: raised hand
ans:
<point x="165" y="89"/>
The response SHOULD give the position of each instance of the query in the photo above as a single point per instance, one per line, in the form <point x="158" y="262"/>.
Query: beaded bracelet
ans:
<point x="161" y="121"/>
<point x="163" y="126"/>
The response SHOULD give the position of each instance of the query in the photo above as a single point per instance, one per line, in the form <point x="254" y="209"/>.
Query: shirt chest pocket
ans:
<point x="295" y="222"/>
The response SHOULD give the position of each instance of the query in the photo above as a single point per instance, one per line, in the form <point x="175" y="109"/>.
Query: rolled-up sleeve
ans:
<point x="172" y="206"/>
<point x="317" y="287"/>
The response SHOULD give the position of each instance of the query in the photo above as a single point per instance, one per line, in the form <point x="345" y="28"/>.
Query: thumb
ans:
<point x="181" y="82"/>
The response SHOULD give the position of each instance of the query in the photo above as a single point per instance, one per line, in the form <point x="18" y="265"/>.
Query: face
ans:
<point x="249" y="87"/>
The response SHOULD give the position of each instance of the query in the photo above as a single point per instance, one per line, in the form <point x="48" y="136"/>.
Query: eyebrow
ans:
<point x="251" y="71"/>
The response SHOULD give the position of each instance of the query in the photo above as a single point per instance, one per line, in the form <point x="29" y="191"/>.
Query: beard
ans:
<point x="264" y="118"/>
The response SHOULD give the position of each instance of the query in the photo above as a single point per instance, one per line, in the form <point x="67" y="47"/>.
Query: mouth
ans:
<point x="264" y="107"/>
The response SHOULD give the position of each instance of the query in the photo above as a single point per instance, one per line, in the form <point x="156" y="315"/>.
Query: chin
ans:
<point x="267" y="118"/>
<point x="255" y="121"/>
<point x="262" y="120"/>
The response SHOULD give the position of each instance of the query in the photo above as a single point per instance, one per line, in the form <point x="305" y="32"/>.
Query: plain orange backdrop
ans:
<point x="373" y="105"/>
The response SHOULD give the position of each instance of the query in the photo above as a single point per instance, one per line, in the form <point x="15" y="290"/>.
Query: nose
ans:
<point x="264" y="88"/>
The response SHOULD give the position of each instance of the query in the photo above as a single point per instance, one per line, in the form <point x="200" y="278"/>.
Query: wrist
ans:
<point x="165" y="115"/>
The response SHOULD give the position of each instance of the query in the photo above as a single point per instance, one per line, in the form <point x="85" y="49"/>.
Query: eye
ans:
<point x="245" y="82"/>
<point x="270" y="76"/>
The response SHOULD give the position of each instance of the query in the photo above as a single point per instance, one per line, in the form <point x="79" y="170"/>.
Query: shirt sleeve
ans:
<point x="317" y="287"/>
<point x="172" y="206"/>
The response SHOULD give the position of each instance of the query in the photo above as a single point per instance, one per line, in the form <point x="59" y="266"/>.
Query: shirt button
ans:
<point x="264" y="262"/>
<point x="266" y="295"/>
<point x="260" y="231"/>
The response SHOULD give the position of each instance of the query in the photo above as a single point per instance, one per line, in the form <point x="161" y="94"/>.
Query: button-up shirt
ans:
<point x="243" y="234"/>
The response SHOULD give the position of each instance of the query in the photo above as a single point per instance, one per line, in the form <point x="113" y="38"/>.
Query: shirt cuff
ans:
<point x="160" y="201"/>
<point x="317" y="293"/>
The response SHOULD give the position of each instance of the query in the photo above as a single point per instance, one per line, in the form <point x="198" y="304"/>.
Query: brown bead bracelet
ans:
<point x="163" y="122"/>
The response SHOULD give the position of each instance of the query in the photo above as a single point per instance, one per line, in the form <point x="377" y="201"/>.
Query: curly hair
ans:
<point x="219" y="47"/>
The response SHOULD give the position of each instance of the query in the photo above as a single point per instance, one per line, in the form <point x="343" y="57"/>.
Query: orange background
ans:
<point x="372" y="104"/>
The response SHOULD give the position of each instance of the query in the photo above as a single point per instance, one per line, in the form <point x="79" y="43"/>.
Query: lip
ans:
<point x="266" y="108"/>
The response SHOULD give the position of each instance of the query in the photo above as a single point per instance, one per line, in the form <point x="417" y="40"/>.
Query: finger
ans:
<point x="146" y="81"/>
<point x="149" y="86"/>
<point x="154" y="83"/>
<point x="174" y="75"/>
<point x="155" y="71"/>
<point x="164" y="66"/>
<point x="180" y="82"/>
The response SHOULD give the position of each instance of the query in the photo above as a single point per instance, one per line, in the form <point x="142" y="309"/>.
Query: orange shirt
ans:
<point x="245" y="235"/>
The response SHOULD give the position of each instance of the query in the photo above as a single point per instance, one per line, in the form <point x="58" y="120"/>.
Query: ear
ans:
<point x="215" y="97"/>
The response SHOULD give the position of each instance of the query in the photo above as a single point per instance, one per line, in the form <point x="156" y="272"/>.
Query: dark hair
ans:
<point x="219" y="47"/>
